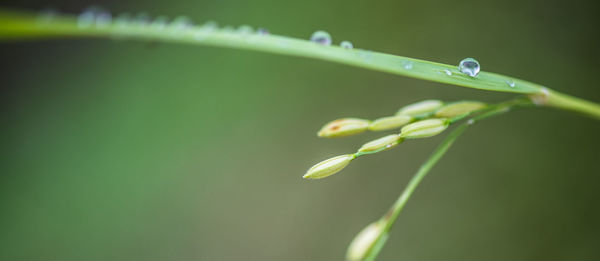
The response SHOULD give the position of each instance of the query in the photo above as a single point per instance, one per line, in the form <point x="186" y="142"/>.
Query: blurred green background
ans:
<point x="116" y="150"/>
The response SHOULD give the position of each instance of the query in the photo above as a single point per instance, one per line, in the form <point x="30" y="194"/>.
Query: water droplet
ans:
<point x="159" y="23"/>
<point x="210" y="26"/>
<point x="180" y="24"/>
<point x="448" y="72"/>
<point x="142" y="19"/>
<point x="87" y="18"/>
<point x="205" y="29"/>
<point x="407" y="65"/>
<point x="47" y="15"/>
<point x="262" y="31"/>
<point x="103" y="20"/>
<point x="123" y="20"/>
<point x="510" y="83"/>
<point x="321" y="37"/>
<point x="346" y="45"/>
<point x="469" y="66"/>
<point x="94" y="16"/>
<point x="245" y="29"/>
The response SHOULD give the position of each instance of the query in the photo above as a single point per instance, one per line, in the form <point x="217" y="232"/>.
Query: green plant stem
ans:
<point x="392" y="215"/>
<point x="22" y="25"/>
<point x="395" y="210"/>
<point x="570" y="103"/>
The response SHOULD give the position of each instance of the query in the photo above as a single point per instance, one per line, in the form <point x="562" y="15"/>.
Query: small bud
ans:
<point x="384" y="142"/>
<point x="458" y="108"/>
<point x="343" y="127"/>
<point x="365" y="241"/>
<point x="328" y="167"/>
<point x="388" y="123"/>
<point x="420" y="108"/>
<point x="424" y="128"/>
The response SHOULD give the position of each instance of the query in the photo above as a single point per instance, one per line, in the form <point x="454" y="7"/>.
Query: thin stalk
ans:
<point x="397" y="207"/>
<point x="22" y="25"/>
<point x="392" y="215"/>
<point x="562" y="101"/>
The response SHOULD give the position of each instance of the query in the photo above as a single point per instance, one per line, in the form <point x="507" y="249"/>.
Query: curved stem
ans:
<point x="392" y="215"/>
<point x="395" y="210"/>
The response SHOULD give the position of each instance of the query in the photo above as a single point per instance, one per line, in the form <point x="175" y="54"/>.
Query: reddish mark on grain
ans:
<point x="389" y="214"/>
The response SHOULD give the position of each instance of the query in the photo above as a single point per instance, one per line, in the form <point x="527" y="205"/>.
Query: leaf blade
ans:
<point x="15" y="25"/>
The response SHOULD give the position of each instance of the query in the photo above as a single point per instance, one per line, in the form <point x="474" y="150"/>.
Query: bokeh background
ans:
<point x="117" y="150"/>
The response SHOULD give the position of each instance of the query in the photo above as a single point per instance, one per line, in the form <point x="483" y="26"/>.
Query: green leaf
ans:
<point x="23" y="26"/>
<point x="15" y="25"/>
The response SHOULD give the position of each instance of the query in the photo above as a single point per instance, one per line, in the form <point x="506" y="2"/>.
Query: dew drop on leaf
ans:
<point x="47" y="15"/>
<point x="141" y="19"/>
<point x="123" y="20"/>
<point x="159" y="23"/>
<point x="346" y="45"/>
<point x="245" y="29"/>
<point x="103" y="19"/>
<point x="94" y="16"/>
<point x="510" y="83"/>
<point x="321" y="37"/>
<point x="180" y="23"/>
<point x="262" y="31"/>
<point x="210" y="26"/>
<point x="448" y="72"/>
<point x="86" y="18"/>
<point x="469" y="66"/>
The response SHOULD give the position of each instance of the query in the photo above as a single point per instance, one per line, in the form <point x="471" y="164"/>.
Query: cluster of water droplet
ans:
<point x="46" y="16"/>
<point x="324" y="38"/>
<point x="94" y="16"/>
<point x="100" y="18"/>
